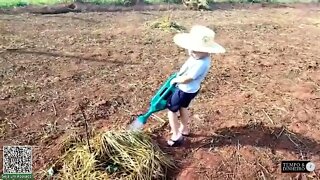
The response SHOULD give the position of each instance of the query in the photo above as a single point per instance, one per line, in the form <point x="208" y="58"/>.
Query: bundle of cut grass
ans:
<point x="197" y="4"/>
<point x="136" y="155"/>
<point x="166" y="24"/>
<point x="79" y="163"/>
<point x="116" y="155"/>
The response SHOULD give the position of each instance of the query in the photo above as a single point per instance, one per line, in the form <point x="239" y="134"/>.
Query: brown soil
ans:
<point x="259" y="105"/>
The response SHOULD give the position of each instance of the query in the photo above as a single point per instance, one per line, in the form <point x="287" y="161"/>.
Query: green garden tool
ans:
<point x="157" y="103"/>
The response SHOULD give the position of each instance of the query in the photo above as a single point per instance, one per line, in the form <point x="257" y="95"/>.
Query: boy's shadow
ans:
<point x="256" y="135"/>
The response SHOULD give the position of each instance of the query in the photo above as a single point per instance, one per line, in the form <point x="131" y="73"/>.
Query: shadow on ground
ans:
<point x="79" y="7"/>
<point x="71" y="56"/>
<point x="257" y="135"/>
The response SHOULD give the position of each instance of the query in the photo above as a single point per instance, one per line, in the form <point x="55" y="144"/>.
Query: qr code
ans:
<point x="17" y="159"/>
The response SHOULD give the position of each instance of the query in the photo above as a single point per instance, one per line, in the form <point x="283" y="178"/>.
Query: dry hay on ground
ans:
<point x="167" y="24"/>
<point x="197" y="4"/>
<point x="114" y="155"/>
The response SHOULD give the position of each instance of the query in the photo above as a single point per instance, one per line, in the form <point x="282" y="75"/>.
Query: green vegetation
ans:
<point x="19" y="3"/>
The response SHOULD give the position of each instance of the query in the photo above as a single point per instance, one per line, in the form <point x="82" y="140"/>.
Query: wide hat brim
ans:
<point x="185" y="41"/>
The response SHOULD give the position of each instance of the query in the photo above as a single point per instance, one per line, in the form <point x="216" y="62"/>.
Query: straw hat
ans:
<point x="200" y="38"/>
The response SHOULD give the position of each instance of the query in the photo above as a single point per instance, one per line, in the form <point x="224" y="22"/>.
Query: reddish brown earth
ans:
<point x="259" y="105"/>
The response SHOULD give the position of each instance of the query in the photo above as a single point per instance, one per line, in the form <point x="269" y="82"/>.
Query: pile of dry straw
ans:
<point x="114" y="155"/>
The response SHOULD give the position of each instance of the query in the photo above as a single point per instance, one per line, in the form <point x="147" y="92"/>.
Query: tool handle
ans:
<point x="167" y="91"/>
<point x="171" y="86"/>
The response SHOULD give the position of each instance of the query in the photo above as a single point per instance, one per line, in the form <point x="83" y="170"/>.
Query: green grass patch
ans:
<point x="19" y="3"/>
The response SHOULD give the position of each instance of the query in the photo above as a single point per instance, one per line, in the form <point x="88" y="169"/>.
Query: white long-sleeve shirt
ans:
<point x="196" y="69"/>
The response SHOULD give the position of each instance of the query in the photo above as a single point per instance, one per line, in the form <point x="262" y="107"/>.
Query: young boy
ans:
<point x="200" y="44"/>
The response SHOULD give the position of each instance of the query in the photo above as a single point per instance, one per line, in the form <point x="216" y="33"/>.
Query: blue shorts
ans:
<point x="180" y="99"/>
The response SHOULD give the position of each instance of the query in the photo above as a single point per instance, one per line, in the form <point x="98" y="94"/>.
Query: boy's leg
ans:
<point x="173" y="122"/>
<point x="184" y="113"/>
<point x="174" y="104"/>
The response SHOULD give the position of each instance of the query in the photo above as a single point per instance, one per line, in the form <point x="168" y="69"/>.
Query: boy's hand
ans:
<point x="174" y="81"/>
<point x="180" y="80"/>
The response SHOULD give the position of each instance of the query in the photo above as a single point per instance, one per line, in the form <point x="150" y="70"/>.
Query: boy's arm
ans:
<point x="192" y="74"/>
<point x="183" y="67"/>
<point x="182" y="79"/>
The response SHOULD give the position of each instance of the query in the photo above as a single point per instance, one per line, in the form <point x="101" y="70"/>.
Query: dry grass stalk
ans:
<point x="262" y="176"/>
<point x="279" y="135"/>
<point x="264" y="170"/>
<point x="3" y="127"/>
<point x="268" y="116"/>
<point x="86" y="127"/>
<point x="54" y="109"/>
<point x="288" y="135"/>
<point x="158" y="118"/>
<point x="237" y="155"/>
